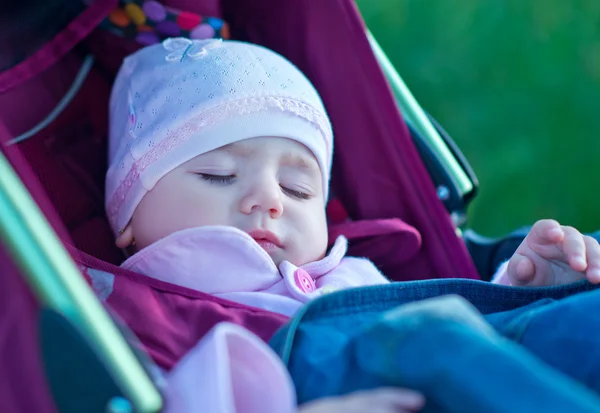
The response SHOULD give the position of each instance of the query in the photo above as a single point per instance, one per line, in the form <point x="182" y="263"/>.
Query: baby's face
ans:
<point x="269" y="187"/>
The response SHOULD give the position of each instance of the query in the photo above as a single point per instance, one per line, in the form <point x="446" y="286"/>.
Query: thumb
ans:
<point x="520" y="270"/>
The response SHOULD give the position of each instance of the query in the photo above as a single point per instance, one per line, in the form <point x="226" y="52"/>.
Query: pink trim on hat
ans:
<point x="208" y="119"/>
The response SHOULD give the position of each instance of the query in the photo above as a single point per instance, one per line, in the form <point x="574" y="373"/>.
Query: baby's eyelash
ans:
<point x="296" y="194"/>
<point x="218" y="179"/>
<point x="228" y="179"/>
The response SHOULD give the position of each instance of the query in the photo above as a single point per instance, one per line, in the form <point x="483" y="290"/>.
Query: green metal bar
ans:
<point x="58" y="284"/>
<point x="417" y="118"/>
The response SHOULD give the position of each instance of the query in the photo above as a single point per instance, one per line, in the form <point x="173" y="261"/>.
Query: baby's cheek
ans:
<point x="307" y="247"/>
<point x="316" y="243"/>
<point x="149" y="226"/>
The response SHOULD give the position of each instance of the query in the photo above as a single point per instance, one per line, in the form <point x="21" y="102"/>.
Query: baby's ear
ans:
<point x="125" y="238"/>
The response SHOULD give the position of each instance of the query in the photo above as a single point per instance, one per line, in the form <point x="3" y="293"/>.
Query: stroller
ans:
<point x="61" y="349"/>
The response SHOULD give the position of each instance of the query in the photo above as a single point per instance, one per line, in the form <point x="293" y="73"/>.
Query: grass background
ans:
<point x="516" y="83"/>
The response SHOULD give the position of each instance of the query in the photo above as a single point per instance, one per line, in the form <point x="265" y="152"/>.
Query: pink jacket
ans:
<point x="220" y="373"/>
<point x="228" y="263"/>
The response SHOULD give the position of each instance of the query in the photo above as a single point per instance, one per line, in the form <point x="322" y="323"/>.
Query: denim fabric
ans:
<point x="361" y="338"/>
<point x="563" y="333"/>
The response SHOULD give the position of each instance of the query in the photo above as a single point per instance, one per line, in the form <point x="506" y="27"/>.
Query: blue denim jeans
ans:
<point x="534" y="349"/>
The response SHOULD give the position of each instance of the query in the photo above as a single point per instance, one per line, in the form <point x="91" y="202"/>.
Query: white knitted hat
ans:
<point x="174" y="101"/>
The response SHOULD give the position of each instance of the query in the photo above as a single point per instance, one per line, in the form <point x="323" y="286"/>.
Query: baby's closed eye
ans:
<point x="299" y="194"/>
<point x="217" y="179"/>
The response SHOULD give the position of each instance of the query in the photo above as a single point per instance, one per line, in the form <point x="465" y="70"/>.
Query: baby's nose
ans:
<point x="263" y="197"/>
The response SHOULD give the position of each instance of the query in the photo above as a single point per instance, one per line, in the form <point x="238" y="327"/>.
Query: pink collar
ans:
<point x="220" y="259"/>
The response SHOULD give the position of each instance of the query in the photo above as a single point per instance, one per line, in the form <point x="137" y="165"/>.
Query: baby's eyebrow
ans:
<point x="290" y="159"/>
<point x="236" y="150"/>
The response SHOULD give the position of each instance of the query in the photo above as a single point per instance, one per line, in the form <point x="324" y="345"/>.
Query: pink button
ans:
<point x="304" y="281"/>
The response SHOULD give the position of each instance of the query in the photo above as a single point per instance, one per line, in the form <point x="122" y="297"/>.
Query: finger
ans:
<point x="547" y="232"/>
<point x="592" y="249"/>
<point x="574" y="249"/>
<point x="520" y="270"/>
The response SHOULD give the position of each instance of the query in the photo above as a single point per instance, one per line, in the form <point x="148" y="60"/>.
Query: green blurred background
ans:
<point x="516" y="83"/>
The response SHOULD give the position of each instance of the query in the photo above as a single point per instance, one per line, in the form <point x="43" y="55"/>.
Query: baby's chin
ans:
<point x="279" y="256"/>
